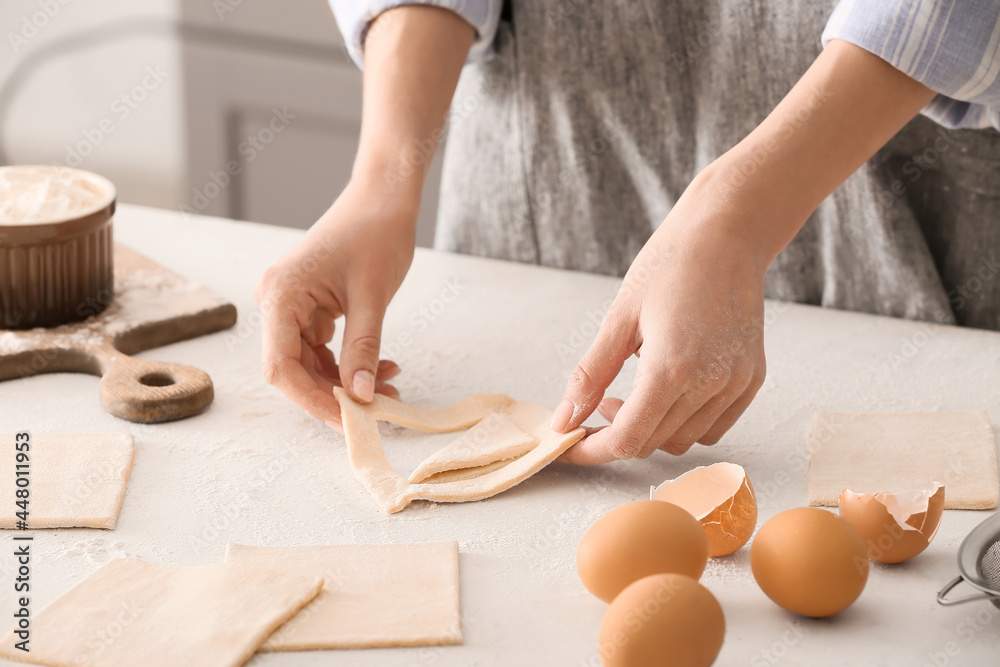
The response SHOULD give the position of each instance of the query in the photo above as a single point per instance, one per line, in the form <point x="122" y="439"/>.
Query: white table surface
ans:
<point x="254" y="469"/>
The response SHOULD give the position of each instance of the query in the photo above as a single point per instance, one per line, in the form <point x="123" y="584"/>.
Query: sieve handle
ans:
<point x="942" y="596"/>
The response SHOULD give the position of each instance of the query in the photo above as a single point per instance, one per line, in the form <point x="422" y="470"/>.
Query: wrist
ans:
<point x="737" y="210"/>
<point x="368" y="208"/>
<point x="395" y="179"/>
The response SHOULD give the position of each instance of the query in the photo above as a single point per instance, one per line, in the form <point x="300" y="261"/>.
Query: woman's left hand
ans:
<point x="692" y="304"/>
<point x="691" y="307"/>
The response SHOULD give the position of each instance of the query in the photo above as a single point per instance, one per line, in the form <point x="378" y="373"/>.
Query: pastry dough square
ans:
<point x="76" y="480"/>
<point x="875" y="452"/>
<point x="375" y="595"/>
<point x="131" y="613"/>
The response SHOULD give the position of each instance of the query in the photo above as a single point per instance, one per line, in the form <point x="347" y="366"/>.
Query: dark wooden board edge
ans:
<point x="41" y="360"/>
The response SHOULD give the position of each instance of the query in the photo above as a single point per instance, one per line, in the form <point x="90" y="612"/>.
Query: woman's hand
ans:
<point x="692" y="303"/>
<point x="691" y="308"/>
<point x="349" y="264"/>
<point x="354" y="258"/>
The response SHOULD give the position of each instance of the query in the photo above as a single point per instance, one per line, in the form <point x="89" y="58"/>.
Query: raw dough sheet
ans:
<point x="393" y="492"/>
<point x="130" y="613"/>
<point x="77" y="480"/>
<point x="374" y="595"/>
<point x="493" y="439"/>
<point x="875" y="452"/>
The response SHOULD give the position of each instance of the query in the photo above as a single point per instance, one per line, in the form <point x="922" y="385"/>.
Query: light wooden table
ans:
<point x="254" y="469"/>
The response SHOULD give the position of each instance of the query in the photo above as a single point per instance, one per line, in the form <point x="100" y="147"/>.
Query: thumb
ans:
<point x="614" y="344"/>
<point x="359" y="354"/>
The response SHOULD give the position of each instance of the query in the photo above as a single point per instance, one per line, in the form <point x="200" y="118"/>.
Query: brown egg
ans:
<point x="809" y="561"/>
<point x="721" y="498"/>
<point x="663" y="619"/>
<point x="894" y="526"/>
<point x="636" y="540"/>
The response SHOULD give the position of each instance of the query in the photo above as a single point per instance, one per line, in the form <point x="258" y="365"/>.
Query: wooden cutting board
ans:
<point x="152" y="306"/>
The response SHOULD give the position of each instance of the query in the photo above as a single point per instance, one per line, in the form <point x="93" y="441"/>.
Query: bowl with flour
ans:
<point x="55" y="245"/>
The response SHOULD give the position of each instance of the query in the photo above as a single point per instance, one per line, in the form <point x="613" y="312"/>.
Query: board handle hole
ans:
<point x="156" y="380"/>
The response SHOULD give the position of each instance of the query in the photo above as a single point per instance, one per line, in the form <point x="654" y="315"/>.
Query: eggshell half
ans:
<point x="663" y="619"/>
<point x="809" y="561"/>
<point x="894" y="526"/>
<point x="636" y="540"/>
<point x="721" y="498"/>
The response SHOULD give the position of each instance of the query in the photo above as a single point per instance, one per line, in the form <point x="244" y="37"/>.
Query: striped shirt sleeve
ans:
<point x="950" y="46"/>
<point x="354" y="17"/>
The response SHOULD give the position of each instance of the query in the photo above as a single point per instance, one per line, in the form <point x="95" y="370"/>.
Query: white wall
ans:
<point x="117" y="95"/>
<point x="157" y="95"/>
<point x="285" y="55"/>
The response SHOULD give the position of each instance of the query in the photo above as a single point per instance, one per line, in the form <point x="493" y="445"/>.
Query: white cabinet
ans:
<point x="277" y="100"/>
<point x="229" y="68"/>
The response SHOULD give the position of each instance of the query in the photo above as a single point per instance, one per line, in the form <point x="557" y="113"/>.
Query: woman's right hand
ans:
<point x="354" y="258"/>
<point x="350" y="263"/>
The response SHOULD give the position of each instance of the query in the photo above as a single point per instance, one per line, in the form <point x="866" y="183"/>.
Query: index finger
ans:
<point x="281" y="360"/>
<point x="636" y="420"/>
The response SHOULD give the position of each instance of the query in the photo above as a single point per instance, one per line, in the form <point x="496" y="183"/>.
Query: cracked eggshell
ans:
<point x="721" y="498"/>
<point x="636" y="540"/>
<point x="894" y="526"/>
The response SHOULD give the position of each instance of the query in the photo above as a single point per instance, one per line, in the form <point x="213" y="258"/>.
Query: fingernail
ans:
<point x="562" y="415"/>
<point x="364" y="385"/>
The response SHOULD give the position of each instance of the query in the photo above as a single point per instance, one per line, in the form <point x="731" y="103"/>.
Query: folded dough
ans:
<point x="876" y="452"/>
<point x="493" y="439"/>
<point x="393" y="493"/>
<point x="131" y="613"/>
<point x="374" y="596"/>
<point x="77" y="480"/>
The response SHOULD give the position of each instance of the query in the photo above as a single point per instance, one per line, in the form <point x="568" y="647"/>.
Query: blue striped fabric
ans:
<point x="354" y="16"/>
<point x="951" y="46"/>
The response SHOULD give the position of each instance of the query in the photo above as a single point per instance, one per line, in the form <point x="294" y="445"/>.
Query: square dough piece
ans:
<point x="206" y="616"/>
<point x="375" y="595"/>
<point x="77" y="480"/>
<point x="874" y="452"/>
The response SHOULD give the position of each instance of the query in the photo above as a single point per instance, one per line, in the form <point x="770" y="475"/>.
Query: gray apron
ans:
<point x="568" y="147"/>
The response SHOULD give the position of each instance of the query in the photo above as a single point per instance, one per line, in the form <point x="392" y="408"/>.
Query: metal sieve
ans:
<point x="979" y="564"/>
